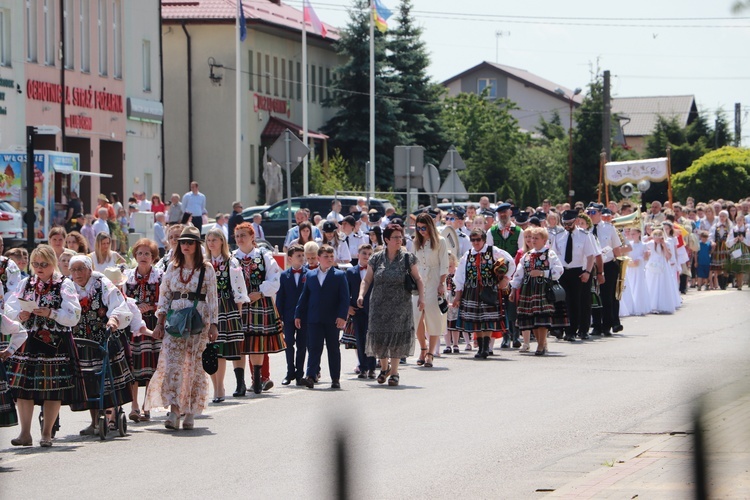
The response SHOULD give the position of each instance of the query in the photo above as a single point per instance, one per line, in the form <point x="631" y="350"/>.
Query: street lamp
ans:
<point x="561" y="92"/>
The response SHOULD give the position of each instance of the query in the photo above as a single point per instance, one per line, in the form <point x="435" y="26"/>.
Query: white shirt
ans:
<point x="583" y="247"/>
<point x="334" y="217"/>
<point x="353" y="241"/>
<point x="144" y="206"/>
<point x="117" y="307"/>
<point x="100" y="226"/>
<point x="608" y="240"/>
<point x="322" y="275"/>
<point x="554" y="272"/>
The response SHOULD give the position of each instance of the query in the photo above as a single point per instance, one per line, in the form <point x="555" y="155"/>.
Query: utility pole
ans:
<point x="737" y="124"/>
<point x="607" y="120"/>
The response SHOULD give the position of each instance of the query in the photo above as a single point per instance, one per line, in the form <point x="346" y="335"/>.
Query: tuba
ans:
<point x="632" y="221"/>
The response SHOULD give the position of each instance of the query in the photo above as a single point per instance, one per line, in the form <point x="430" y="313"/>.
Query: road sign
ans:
<point x="297" y="150"/>
<point x="47" y="130"/>
<point x="408" y="161"/>
<point x="452" y="160"/>
<point x="431" y="178"/>
<point x="454" y="188"/>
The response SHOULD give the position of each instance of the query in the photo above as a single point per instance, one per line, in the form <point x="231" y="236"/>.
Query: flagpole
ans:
<point x="371" y="180"/>
<point x="305" y="139"/>
<point x="238" y="108"/>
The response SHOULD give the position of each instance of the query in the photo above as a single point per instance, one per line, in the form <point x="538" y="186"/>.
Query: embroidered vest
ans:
<point x="487" y="261"/>
<point x="52" y="298"/>
<point x="254" y="272"/>
<point x="223" y="282"/>
<point x="93" y="315"/>
<point x="510" y="245"/>
<point x="143" y="292"/>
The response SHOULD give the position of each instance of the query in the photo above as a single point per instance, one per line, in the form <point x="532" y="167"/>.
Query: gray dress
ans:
<point x="391" y="326"/>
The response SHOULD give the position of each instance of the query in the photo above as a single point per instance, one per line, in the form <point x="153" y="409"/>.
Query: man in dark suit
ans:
<point x="354" y="276"/>
<point x="291" y="282"/>
<point x="323" y="305"/>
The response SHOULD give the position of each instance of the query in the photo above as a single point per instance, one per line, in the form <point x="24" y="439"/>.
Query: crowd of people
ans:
<point x="378" y="283"/>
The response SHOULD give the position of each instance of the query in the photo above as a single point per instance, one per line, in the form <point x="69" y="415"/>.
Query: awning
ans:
<point x="276" y="126"/>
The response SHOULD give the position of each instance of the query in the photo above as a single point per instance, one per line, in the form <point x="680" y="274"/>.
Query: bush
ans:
<point x="724" y="173"/>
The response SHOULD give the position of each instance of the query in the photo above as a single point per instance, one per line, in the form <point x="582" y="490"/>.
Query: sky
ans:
<point x="651" y="48"/>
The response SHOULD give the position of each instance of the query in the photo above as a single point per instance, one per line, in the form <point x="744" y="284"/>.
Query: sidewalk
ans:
<point x="663" y="467"/>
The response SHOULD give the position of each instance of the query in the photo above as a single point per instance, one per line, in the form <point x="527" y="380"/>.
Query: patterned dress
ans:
<point x="101" y="300"/>
<point x="179" y="378"/>
<point x="533" y="309"/>
<point x="475" y="272"/>
<point x="231" y="291"/>
<point x="390" y="328"/>
<point x="17" y="335"/>
<point x="46" y="367"/>
<point x="720" y="254"/>
<point x="264" y="333"/>
<point x="145" y="350"/>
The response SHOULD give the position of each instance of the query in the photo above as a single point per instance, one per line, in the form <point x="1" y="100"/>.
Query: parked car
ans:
<point x="248" y="212"/>
<point x="275" y="225"/>
<point x="11" y="225"/>
<point x="447" y="206"/>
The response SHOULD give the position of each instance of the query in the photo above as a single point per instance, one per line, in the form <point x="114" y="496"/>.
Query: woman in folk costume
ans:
<point x="232" y="294"/>
<point x="660" y="278"/>
<point x="45" y="370"/>
<point x="719" y="234"/>
<point x="142" y="285"/>
<point x="103" y="307"/>
<point x="476" y="272"/>
<point x="635" y="300"/>
<point x="534" y="311"/>
<point x="264" y="333"/>
<point x="739" y="251"/>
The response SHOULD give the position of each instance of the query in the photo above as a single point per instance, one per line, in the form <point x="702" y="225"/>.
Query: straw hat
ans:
<point x="114" y="274"/>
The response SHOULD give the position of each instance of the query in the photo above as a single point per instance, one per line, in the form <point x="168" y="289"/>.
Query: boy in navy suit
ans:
<point x="354" y="276"/>
<point x="291" y="282"/>
<point x="323" y="305"/>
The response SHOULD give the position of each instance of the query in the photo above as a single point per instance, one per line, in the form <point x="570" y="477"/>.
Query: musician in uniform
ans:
<point x="577" y="251"/>
<point x="612" y="244"/>
<point x="351" y="238"/>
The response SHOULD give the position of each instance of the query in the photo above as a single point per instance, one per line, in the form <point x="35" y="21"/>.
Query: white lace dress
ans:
<point x="179" y="378"/>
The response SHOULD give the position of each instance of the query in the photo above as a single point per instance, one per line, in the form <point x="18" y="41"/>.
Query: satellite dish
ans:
<point x="644" y="185"/>
<point x="626" y="190"/>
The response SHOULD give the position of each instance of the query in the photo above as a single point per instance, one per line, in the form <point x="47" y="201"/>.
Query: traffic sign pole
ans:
<point x="288" y="152"/>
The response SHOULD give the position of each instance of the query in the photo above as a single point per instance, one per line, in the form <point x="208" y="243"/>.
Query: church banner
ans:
<point x="620" y="172"/>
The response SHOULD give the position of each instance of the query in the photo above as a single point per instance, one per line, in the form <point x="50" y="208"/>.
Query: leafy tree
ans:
<point x="540" y="170"/>
<point x="327" y="180"/>
<point x="552" y="129"/>
<point x="486" y="135"/>
<point x="418" y="97"/>
<point x="722" y="135"/>
<point x="587" y="141"/>
<point x="723" y="173"/>
<point x="667" y="132"/>
<point x="350" y="127"/>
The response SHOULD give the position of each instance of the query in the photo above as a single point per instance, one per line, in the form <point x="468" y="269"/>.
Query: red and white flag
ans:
<point x="312" y="18"/>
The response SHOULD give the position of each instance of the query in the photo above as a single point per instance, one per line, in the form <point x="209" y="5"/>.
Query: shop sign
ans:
<point x="74" y="96"/>
<point x="263" y="103"/>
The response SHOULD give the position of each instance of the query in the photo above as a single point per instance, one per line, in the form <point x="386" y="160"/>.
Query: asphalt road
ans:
<point x="501" y="428"/>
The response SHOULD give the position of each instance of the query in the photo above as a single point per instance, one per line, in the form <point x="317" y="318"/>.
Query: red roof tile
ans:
<point x="260" y="11"/>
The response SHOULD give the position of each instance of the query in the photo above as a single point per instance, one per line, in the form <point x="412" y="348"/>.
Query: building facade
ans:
<point x="199" y="41"/>
<point x="534" y="96"/>
<point x="12" y="109"/>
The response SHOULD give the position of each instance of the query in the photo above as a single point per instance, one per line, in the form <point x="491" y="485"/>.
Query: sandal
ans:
<point x="146" y="416"/>
<point x="420" y="361"/>
<point x="428" y="364"/>
<point x="393" y="380"/>
<point x="135" y="416"/>
<point x="384" y="375"/>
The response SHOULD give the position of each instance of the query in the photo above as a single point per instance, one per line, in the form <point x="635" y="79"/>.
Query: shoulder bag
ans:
<point x="185" y="322"/>
<point x="555" y="292"/>
<point x="410" y="285"/>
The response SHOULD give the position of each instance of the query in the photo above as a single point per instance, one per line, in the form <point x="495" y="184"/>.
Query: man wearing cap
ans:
<point x="607" y="318"/>
<point x="489" y="219"/>
<point x="351" y="239"/>
<point x="522" y="219"/>
<point x="577" y="251"/>
<point x="455" y="219"/>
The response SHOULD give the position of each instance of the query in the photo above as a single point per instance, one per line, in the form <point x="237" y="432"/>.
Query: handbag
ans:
<point x="488" y="295"/>
<point x="442" y="305"/>
<point x="185" y="322"/>
<point x="555" y="292"/>
<point x="410" y="285"/>
<point x="210" y="358"/>
<point x="348" y="337"/>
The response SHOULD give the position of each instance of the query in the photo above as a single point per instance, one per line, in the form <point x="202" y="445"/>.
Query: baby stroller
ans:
<point x="94" y="359"/>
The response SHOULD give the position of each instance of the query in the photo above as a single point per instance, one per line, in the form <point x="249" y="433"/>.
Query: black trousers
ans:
<point x="608" y="315"/>
<point x="197" y="222"/>
<point x="577" y="300"/>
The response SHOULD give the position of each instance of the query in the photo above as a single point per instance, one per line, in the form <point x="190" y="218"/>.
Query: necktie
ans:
<point x="595" y="231"/>
<point x="297" y="271"/>
<point x="569" y="248"/>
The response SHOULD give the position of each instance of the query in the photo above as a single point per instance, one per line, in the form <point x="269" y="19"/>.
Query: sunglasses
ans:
<point x="591" y="212"/>
<point x="450" y="219"/>
<point x="475" y="239"/>
<point x="421" y="229"/>
<point x="187" y="242"/>
<point x="40" y="265"/>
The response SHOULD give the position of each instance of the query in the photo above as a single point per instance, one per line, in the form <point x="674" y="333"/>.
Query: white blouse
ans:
<point x="554" y="272"/>
<point x="236" y="279"/>
<point x="459" y="279"/>
<point x="271" y="284"/>
<point x="113" y="298"/>
<point x="69" y="313"/>
<point x="16" y="331"/>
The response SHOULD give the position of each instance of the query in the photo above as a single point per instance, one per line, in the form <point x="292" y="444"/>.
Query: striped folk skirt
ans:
<point x="741" y="264"/>
<point x="476" y="316"/>
<point x="231" y="333"/>
<point x="535" y="311"/>
<point x="90" y="359"/>
<point x="145" y="352"/>
<point x="8" y="415"/>
<point x="720" y="256"/>
<point x="264" y="333"/>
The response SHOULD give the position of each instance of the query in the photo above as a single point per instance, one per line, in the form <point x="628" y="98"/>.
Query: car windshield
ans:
<point x="279" y="212"/>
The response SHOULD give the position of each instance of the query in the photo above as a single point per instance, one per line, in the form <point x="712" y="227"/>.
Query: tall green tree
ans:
<point x="350" y="126"/>
<point x="587" y="141"/>
<point x="419" y="98"/>
<point x="487" y="137"/>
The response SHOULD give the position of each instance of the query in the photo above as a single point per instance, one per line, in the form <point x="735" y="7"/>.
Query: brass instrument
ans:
<point x="633" y="220"/>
